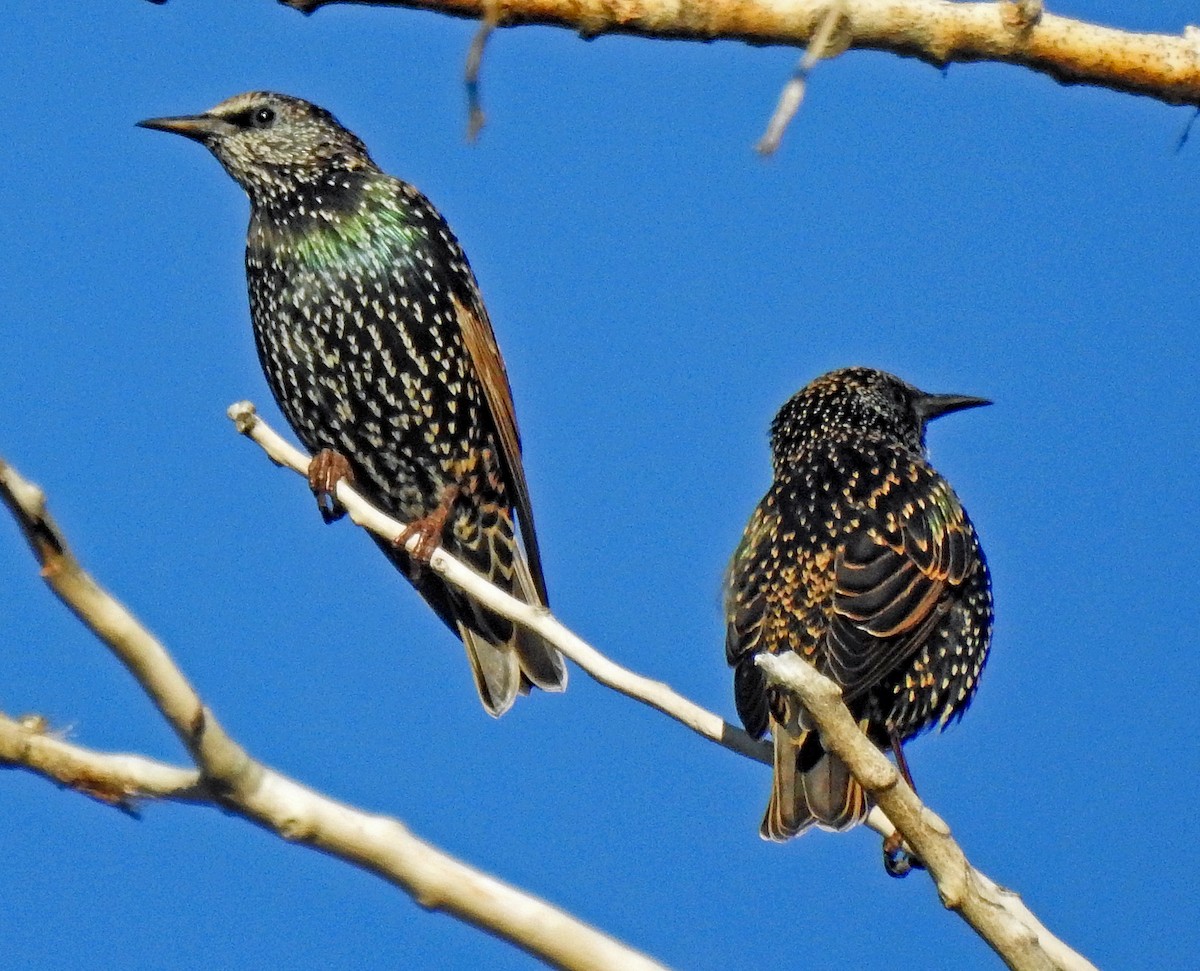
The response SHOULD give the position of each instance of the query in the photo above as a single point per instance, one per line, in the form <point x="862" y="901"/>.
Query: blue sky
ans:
<point x="658" y="291"/>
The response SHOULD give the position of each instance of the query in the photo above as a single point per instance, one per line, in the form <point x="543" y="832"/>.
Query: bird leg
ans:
<point x="325" y="471"/>
<point x="901" y="764"/>
<point x="429" y="527"/>
<point x="898" y="860"/>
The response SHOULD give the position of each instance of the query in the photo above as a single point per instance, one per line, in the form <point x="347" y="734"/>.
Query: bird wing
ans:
<point x="480" y="341"/>
<point x="913" y="541"/>
<point x="746" y="584"/>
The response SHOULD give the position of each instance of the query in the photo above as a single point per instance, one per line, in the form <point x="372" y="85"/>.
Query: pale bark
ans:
<point x="656" y="694"/>
<point x="229" y="778"/>
<point x="997" y="915"/>
<point x="938" y="32"/>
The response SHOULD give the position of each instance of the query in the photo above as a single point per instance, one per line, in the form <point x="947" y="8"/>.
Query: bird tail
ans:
<point x="540" y="662"/>
<point x="505" y="658"/>
<point x="810" y="787"/>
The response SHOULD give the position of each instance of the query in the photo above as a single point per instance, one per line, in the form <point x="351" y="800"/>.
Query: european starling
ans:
<point x="860" y="558"/>
<point x="376" y="345"/>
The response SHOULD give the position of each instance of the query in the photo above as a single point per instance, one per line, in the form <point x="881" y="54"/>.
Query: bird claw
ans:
<point x="428" y="529"/>
<point x="429" y="535"/>
<point x="898" y="859"/>
<point x="325" y="471"/>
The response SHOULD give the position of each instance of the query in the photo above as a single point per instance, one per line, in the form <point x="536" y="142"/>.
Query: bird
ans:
<point x="861" y="559"/>
<point x="375" y="342"/>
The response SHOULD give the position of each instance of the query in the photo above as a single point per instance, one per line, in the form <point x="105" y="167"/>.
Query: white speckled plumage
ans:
<point x="376" y="344"/>
<point x="861" y="558"/>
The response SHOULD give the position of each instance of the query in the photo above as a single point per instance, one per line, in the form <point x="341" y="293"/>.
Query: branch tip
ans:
<point x="829" y="39"/>
<point x="244" y="416"/>
<point x="490" y="20"/>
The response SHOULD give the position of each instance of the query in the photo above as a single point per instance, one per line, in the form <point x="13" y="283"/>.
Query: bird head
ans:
<point x="863" y="399"/>
<point x="271" y="142"/>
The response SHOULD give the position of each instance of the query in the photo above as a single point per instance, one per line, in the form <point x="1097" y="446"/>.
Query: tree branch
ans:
<point x="231" y="779"/>
<point x="1161" y="66"/>
<point x="656" y="694"/>
<point x="115" y="780"/>
<point x="997" y="915"/>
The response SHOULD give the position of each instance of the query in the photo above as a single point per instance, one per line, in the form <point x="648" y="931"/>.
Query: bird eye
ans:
<point x="263" y="118"/>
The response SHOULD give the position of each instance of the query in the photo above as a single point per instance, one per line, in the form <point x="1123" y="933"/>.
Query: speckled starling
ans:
<point x="376" y="345"/>
<point x="860" y="558"/>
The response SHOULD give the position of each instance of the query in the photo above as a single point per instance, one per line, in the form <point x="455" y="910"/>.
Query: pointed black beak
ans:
<point x="199" y="128"/>
<point x="931" y="406"/>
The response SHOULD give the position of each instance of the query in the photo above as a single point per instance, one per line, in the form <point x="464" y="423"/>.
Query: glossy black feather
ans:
<point x="861" y="558"/>
<point x="375" y="342"/>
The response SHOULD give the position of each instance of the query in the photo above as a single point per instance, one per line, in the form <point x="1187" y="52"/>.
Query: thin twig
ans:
<point x="113" y="779"/>
<point x="792" y="95"/>
<point x="1187" y="131"/>
<point x="487" y="24"/>
<point x="656" y="694"/>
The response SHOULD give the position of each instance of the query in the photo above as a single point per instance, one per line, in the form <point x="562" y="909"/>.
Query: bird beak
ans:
<point x="931" y="406"/>
<point x="199" y="128"/>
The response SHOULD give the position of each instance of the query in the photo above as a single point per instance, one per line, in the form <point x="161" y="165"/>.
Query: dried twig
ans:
<point x="1162" y="66"/>
<point x="487" y="24"/>
<point x="790" y="99"/>
<point x="115" y="780"/>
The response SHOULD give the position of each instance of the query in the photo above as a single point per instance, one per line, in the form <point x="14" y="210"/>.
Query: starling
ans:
<point x="861" y="559"/>
<point x="373" y="337"/>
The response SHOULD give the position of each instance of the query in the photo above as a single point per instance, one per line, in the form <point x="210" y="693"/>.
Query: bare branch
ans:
<point x="230" y="778"/>
<point x="116" y="780"/>
<point x="1166" y="67"/>
<point x="996" y="914"/>
<point x="538" y="619"/>
<point x="239" y="784"/>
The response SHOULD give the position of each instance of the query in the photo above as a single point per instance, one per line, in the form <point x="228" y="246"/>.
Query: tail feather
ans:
<point x="540" y="662"/>
<point x="505" y="659"/>
<point x="495" y="670"/>
<point x="822" y="793"/>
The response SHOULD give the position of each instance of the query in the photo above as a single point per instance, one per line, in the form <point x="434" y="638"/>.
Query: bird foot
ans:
<point x="325" y="471"/>
<point x="898" y="859"/>
<point x="428" y="529"/>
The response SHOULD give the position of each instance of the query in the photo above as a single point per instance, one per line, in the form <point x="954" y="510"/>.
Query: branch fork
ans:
<point x="228" y="777"/>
